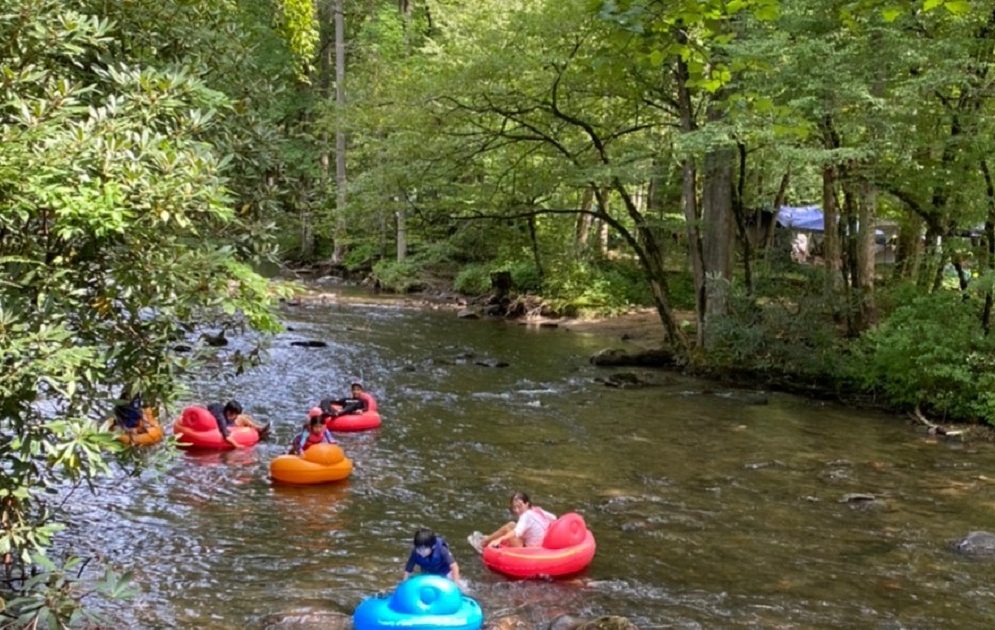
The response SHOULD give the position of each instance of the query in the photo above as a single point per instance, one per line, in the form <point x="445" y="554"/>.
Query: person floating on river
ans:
<point x="431" y="553"/>
<point x="314" y="433"/>
<point x="128" y="412"/>
<point x="528" y="531"/>
<point x="358" y="402"/>
<point x="231" y="415"/>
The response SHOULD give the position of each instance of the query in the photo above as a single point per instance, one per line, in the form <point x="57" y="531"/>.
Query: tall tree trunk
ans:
<point x="717" y="221"/>
<point x="908" y="251"/>
<point x="582" y="228"/>
<point x="831" y="239"/>
<point x="340" y="179"/>
<point x="866" y="305"/>
<point x="602" y="232"/>
<point x="650" y="255"/>
<point x="326" y="19"/>
<point x="535" y="245"/>
<point x="836" y="269"/>
<point x="779" y="199"/>
<point x="402" y="235"/>
<point x="739" y="211"/>
<point x="931" y="268"/>
<point x="689" y="203"/>
<point x="849" y="240"/>
<point x="986" y="315"/>
<point x="404" y="6"/>
<point x="654" y="191"/>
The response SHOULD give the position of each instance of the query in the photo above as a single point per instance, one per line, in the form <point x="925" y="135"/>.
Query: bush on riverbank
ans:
<point x="930" y="353"/>
<point x="927" y="352"/>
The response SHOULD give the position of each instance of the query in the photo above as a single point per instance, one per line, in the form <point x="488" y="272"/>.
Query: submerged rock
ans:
<point x="216" y="341"/>
<point x="314" y="620"/>
<point x="507" y="622"/>
<point x="623" y="380"/>
<point x="979" y="544"/>
<point x="606" y="622"/>
<point x="491" y="363"/>
<point x="310" y="343"/>
<point x="863" y="501"/>
<point x="614" y="357"/>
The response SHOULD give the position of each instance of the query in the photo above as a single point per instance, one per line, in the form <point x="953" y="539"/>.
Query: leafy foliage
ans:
<point x="930" y="353"/>
<point x="119" y="180"/>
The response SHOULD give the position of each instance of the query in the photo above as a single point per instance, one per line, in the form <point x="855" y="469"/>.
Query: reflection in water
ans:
<point x="708" y="510"/>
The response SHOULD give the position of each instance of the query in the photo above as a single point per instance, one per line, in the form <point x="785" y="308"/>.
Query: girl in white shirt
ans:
<point x="528" y="531"/>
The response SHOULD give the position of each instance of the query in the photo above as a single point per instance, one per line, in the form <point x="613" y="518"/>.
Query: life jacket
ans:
<point x="322" y="438"/>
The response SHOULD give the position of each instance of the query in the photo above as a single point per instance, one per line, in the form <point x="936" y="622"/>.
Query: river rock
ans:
<point x="310" y="343"/>
<point x="494" y="310"/>
<point x="216" y="341"/>
<point x="507" y="622"/>
<point x="466" y="313"/>
<point x="623" y="380"/>
<point x="978" y="544"/>
<point x="614" y="357"/>
<point x="312" y="620"/>
<point x="863" y="501"/>
<point x="606" y="622"/>
<point x="491" y="363"/>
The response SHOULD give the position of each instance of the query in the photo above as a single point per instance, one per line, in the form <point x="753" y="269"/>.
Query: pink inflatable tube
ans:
<point x="369" y="419"/>
<point x="354" y="421"/>
<point x="567" y="549"/>
<point x="196" y="427"/>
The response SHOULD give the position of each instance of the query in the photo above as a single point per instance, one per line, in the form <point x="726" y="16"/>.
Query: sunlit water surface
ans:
<point x="709" y="510"/>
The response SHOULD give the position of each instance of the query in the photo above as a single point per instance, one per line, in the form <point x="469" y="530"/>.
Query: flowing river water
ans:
<point x="710" y="509"/>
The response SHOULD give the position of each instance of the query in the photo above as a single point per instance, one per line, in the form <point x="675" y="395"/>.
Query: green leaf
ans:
<point x="957" y="7"/>
<point x="892" y="13"/>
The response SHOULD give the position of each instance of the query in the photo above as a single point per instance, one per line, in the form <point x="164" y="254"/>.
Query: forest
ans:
<point x="599" y="155"/>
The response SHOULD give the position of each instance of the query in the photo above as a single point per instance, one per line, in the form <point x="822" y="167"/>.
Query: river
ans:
<point x="710" y="508"/>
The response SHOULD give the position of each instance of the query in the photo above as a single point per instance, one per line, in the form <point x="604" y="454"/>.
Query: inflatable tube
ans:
<point x="567" y="549"/>
<point x="150" y="432"/>
<point x="196" y="427"/>
<point x="354" y="422"/>
<point x="420" y="602"/>
<point x="321" y="463"/>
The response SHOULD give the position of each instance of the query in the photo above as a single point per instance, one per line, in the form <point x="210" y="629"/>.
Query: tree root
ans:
<point x="931" y="427"/>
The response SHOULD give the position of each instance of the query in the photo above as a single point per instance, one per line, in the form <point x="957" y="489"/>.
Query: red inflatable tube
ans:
<point x="354" y="421"/>
<point x="197" y="427"/>
<point x="567" y="549"/>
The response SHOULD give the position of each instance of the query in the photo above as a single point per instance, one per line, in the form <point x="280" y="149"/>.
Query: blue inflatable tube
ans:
<point x="420" y="602"/>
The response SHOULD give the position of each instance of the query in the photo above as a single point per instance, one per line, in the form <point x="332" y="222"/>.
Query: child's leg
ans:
<point x="504" y="529"/>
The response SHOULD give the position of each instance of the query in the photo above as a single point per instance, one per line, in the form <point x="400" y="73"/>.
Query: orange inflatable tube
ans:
<point x="148" y="433"/>
<point x="322" y="463"/>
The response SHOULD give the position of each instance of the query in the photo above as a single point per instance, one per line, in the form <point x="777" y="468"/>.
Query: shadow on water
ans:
<point x="708" y="511"/>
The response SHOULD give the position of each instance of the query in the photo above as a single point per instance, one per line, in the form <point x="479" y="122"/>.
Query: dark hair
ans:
<point x="521" y="496"/>
<point x="233" y="407"/>
<point x="424" y="538"/>
<point x="315" y="421"/>
<point x="359" y="385"/>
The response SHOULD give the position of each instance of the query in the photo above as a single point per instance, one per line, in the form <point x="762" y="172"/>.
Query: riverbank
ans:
<point x="639" y="326"/>
<point x="640" y="330"/>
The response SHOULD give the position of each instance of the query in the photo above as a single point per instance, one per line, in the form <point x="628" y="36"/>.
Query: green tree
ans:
<point x="120" y="175"/>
